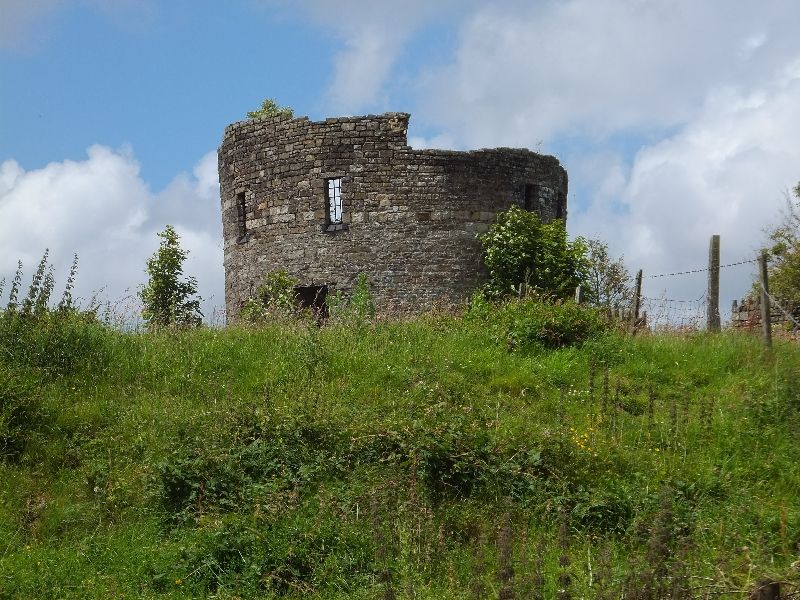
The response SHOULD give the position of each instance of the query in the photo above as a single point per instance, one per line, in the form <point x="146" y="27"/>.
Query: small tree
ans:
<point x="609" y="281"/>
<point x="168" y="300"/>
<point x="784" y="272"/>
<point x="520" y="249"/>
<point x="270" y="108"/>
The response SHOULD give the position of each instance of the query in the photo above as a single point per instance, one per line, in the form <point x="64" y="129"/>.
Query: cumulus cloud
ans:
<point x="374" y="34"/>
<point x="724" y="172"/>
<point x="101" y="209"/>
<point x="527" y="72"/>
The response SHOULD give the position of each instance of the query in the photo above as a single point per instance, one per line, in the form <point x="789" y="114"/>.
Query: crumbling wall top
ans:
<point x="393" y="124"/>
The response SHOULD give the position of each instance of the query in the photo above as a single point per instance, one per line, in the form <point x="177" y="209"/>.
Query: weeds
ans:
<point x="398" y="459"/>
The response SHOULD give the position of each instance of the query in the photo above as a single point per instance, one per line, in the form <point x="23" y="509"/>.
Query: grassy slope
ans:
<point x="290" y="460"/>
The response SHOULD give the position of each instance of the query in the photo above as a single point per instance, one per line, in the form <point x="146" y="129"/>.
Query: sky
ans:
<point x="675" y="119"/>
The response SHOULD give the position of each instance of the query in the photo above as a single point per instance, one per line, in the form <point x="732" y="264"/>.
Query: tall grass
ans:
<point x="416" y="458"/>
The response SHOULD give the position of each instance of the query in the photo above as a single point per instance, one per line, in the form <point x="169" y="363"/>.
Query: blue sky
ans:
<point x="675" y="119"/>
<point x="164" y="80"/>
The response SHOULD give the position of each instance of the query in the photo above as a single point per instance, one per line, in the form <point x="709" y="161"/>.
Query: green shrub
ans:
<point x="361" y="302"/>
<point x="58" y="341"/>
<point x="520" y="250"/>
<point x="275" y="297"/>
<point x="534" y="322"/>
<point x="259" y="460"/>
<point x="270" y="108"/>
<point x="251" y="555"/>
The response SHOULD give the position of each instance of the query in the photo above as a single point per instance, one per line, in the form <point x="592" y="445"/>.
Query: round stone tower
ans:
<point x="329" y="200"/>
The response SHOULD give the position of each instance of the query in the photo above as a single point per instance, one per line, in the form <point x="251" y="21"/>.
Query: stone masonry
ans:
<point x="406" y="218"/>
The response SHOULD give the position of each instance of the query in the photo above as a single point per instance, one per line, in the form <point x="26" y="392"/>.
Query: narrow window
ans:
<point x="241" y="216"/>
<point x="333" y="200"/>
<point x="529" y="194"/>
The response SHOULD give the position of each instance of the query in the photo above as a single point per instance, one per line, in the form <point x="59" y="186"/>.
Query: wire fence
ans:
<point x="661" y="311"/>
<point x="668" y="313"/>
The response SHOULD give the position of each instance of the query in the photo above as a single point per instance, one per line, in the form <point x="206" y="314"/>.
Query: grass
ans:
<point x="415" y="458"/>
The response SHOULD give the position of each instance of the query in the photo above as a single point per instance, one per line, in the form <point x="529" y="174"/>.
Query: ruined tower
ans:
<point x="328" y="200"/>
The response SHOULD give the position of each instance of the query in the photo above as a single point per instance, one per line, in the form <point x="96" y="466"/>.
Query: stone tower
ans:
<point x="331" y="199"/>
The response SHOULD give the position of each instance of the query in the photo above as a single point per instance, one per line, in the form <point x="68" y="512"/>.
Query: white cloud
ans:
<point x="374" y="34"/>
<point x="101" y="209"/>
<point x="360" y="70"/>
<point x="18" y="16"/>
<point x="23" y="22"/>
<point x="442" y="142"/>
<point x="526" y="72"/>
<point x="725" y="172"/>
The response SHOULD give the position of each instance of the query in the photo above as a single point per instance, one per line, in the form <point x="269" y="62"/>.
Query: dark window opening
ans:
<point x="312" y="297"/>
<point x="241" y="217"/>
<point x="530" y="194"/>
<point x="333" y="200"/>
<point x="560" y="205"/>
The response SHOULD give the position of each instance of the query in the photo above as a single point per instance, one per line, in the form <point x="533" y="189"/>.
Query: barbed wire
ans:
<point x="703" y="270"/>
<point x="672" y="300"/>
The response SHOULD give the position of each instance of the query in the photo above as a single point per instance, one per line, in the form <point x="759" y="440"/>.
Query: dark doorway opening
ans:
<point x="312" y="297"/>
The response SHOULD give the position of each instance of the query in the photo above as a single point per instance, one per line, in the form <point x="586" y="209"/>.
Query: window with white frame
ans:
<point x="333" y="200"/>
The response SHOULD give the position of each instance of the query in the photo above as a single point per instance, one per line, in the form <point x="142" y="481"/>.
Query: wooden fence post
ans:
<point x="713" y="321"/>
<point x="766" y="324"/>
<point x="637" y="300"/>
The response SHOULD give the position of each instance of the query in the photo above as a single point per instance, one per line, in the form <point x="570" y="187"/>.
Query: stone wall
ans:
<point x="746" y="313"/>
<point x="410" y="217"/>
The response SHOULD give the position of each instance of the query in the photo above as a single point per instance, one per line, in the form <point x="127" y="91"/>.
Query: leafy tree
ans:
<point x="519" y="249"/>
<point x="784" y="272"/>
<point x="168" y="300"/>
<point x="609" y="282"/>
<point x="270" y="108"/>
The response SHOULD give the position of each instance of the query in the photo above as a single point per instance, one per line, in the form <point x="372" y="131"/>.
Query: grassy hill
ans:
<point x="412" y="459"/>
